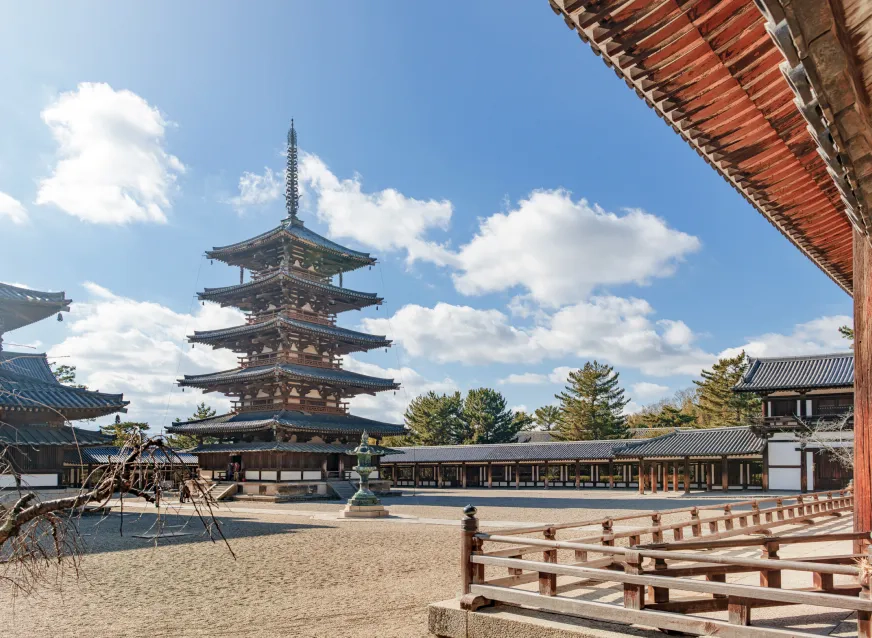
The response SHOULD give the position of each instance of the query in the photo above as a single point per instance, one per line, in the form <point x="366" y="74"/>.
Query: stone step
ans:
<point x="343" y="489"/>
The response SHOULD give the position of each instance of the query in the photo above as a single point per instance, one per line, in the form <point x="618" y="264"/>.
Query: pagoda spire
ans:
<point x="292" y="185"/>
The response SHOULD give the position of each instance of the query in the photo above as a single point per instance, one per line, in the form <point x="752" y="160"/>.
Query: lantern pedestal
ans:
<point x="364" y="504"/>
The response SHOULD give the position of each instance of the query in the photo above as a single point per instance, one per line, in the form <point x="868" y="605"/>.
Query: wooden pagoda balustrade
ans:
<point x="674" y="566"/>
<point x="297" y="272"/>
<point x="302" y="358"/>
<point x="291" y="314"/>
<point x="305" y="405"/>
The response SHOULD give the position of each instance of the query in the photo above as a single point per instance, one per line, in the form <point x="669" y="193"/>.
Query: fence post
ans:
<point x="607" y="538"/>
<point x="770" y="577"/>
<point x="695" y="526"/>
<point x="634" y="595"/>
<point x="728" y="523"/>
<point x="469" y="528"/>
<point x="657" y="536"/>
<point x="755" y="515"/>
<point x="548" y="582"/>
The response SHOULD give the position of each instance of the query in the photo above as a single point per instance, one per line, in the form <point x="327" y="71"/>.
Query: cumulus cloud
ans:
<point x="617" y="330"/>
<point x="385" y="220"/>
<point x="119" y="344"/>
<point x="12" y="210"/>
<point x="559" y="250"/>
<point x="111" y="163"/>
<point x="391" y="406"/>
<point x="558" y="375"/>
<point x="646" y="391"/>
<point x="813" y="337"/>
<point x="257" y="190"/>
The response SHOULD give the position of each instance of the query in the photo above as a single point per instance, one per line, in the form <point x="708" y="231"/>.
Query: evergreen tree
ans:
<point x="121" y="431"/>
<point x="523" y="421"/>
<point x="546" y="417"/>
<point x="434" y="419"/>
<point x="66" y="375"/>
<point x="847" y="332"/>
<point x="592" y="406"/>
<point x="188" y="441"/>
<point x="717" y="403"/>
<point x="486" y="418"/>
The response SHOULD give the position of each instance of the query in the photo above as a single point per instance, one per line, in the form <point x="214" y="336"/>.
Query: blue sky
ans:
<point x="126" y="130"/>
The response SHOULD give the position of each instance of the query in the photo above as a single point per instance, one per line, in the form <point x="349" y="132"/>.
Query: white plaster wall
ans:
<point x="30" y="480"/>
<point x="784" y="453"/>
<point x="269" y="475"/>
<point x="291" y="476"/>
<point x="311" y="476"/>
<point x="784" y="478"/>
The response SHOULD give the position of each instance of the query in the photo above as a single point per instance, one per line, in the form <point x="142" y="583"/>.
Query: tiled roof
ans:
<point x="290" y="419"/>
<point x="293" y="231"/>
<point x="22" y="392"/>
<point x="341" y="334"/>
<point x="110" y="454"/>
<point x="698" y="442"/>
<point x="799" y="373"/>
<point x="277" y="277"/>
<point x="294" y="371"/>
<point x="281" y="446"/>
<point x="49" y="435"/>
<point x="534" y="436"/>
<point x="556" y="451"/>
<point x="16" y="293"/>
<point x="27" y="364"/>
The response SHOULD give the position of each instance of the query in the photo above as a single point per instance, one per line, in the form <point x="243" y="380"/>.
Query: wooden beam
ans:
<point x="862" y="384"/>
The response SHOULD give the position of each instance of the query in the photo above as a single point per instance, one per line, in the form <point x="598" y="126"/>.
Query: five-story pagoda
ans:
<point x="290" y="419"/>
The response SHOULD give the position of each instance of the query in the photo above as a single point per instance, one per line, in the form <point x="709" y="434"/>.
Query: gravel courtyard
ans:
<point x="298" y="570"/>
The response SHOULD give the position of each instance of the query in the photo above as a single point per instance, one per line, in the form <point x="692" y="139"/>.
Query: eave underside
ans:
<point x="711" y="72"/>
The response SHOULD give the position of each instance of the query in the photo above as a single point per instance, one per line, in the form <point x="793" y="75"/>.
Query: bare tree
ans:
<point x="40" y="535"/>
<point x="836" y="436"/>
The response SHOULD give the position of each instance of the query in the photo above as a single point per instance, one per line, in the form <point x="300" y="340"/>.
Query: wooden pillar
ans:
<point x="803" y="468"/>
<point x="687" y="475"/>
<point x="862" y="384"/>
<point x="517" y="476"/>
<point x="438" y="475"/>
<point x="577" y="474"/>
<point x="709" y="479"/>
<point x="766" y="467"/>
<point x="415" y="474"/>
<point x="641" y="476"/>
<point x="725" y="474"/>
<point x="611" y="473"/>
<point x="653" y="473"/>
<point x="675" y="476"/>
<point x="490" y="475"/>
<point x="394" y="471"/>
<point x="746" y="471"/>
<point x="463" y="476"/>
<point x="545" y="478"/>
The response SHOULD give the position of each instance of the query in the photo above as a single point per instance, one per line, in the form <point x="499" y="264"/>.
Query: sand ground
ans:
<point x="298" y="570"/>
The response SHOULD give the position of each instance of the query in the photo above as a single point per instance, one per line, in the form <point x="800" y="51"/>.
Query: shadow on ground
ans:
<point x="118" y="532"/>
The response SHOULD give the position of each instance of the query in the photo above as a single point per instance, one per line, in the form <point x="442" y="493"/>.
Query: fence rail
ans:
<point x="660" y="567"/>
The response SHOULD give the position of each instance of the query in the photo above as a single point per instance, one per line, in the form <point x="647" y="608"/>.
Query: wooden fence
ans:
<point x="641" y="558"/>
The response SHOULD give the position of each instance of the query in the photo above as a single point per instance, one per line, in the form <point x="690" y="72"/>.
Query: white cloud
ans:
<point x="391" y="406"/>
<point x="257" y="190"/>
<point x="112" y="167"/>
<point x="616" y="330"/>
<point x="12" y="209"/>
<point x="139" y="348"/>
<point x="385" y="220"/>
<point x="813" y="337"/>
<point x="647" y="391"/>
<point x="560" y="250"/>
<point x="558" y="375"/>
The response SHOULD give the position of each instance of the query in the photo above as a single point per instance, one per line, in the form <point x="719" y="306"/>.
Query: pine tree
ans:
<point x="546" y="417"/>
<point x="434" y="419"/>
<point x="121" y="431"/>
<point x="486" y="417"/>
<point x="592" y="406"/>
<point x="718" y="404"/>
<point x="66" y="375"/>
<point x="188" y="441"/>
<point x="523" y="421"/>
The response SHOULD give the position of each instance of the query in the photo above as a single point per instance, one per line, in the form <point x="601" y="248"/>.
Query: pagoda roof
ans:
<point x="235" y="254"/>
<point x="22" y="392"/>
<point x="23" y="306"/>
<point x="49" y="435"/>
<point x="335" y="332"/>
<point x="247" y="422"/>
<point x="353" y="297"/>
<point x="28" y="364"/>
<point x="291" y="370"/>
<point x="282" y="446"/>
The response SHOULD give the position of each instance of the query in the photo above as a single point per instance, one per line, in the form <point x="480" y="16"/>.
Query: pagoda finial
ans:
<point x="292" y="186"/>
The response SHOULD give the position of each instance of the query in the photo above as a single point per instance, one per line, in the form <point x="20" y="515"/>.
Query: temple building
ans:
<point x="34" y="407"/>
<point x="289" y="427"/>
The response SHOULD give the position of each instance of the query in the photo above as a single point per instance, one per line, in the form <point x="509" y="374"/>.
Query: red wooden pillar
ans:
<point x="862" y="384"/>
